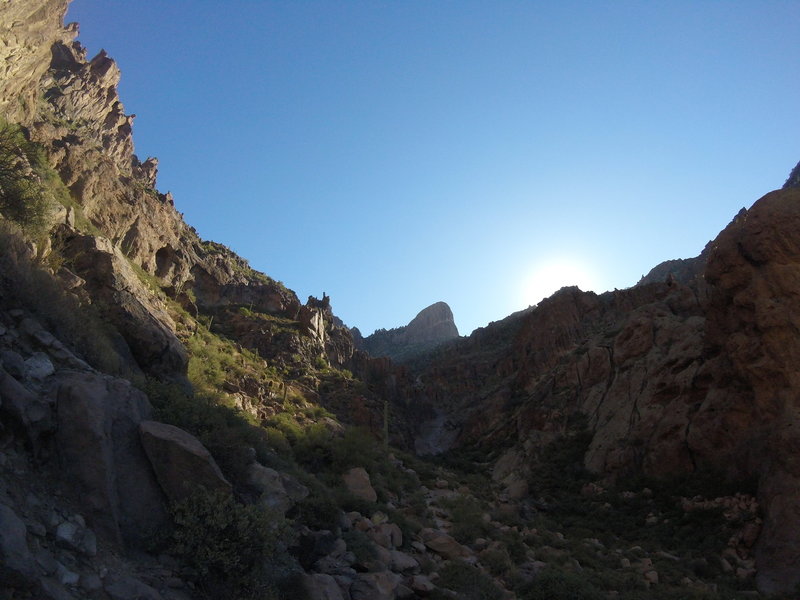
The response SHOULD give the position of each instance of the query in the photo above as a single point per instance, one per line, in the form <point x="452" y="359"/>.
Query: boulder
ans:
<point x="25" y="408"/>
<point x="99" y="447"/>
<point x="401" y="562"/>
<point x="38" y="366"/>
<point x="322" y="587"/>
<point x="387" y="535"/>
<point x="71" y="535"/>
<point x="422" y="585"/>
<point x="181" y="463"/>
<point x="357" y="482"/>
<point x="278" y="490"/>
<point x="375" y="586"/>
<point x="13" y="363"/>
<point x="17" y="566"/>
<point x="444" y="545"/>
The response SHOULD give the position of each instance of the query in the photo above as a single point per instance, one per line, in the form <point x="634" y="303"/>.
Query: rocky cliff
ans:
<point x="433" y="326"/>
<point x="695" y="373"/>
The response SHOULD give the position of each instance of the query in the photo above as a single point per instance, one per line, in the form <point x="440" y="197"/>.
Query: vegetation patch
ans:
<point x="229" y="545"/>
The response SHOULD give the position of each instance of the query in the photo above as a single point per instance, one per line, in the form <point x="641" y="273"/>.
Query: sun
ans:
<point x="549" y="276"/>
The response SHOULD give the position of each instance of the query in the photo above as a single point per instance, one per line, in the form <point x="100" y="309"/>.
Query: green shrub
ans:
<point x="317" y="511"/>
<point x="497" y="560"/>
<point x="360" y="544"/>
<point x="356" y="448"/>
<point x="553" y="584"/>
<point x="467" y="581"/>
<point x="467" y="517"/>
<point x="228" y="544"/>
<point x="23" y="195"/>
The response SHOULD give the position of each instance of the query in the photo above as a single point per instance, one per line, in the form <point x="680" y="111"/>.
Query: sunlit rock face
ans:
<point x="31" y="28"/>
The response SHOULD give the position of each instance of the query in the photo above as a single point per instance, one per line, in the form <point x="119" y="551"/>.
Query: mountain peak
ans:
<point x="432" y="326"/>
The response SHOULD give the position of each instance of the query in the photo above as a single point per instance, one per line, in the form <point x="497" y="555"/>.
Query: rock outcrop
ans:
<point x="432" y="327"/>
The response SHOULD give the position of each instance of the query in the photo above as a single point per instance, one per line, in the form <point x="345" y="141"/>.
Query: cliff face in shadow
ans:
<point x="695" y="373"/>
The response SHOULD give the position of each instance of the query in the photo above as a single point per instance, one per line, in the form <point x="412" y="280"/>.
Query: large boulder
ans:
<point x="444" y="545"/>
<point x="181" y="463"/>
<point x="98" y="442"/>
<point x="357" y="482"/>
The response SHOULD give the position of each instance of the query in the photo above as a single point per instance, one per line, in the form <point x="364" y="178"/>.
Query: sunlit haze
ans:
<point x="551" y="274"/>
<point x="395" y="154"/>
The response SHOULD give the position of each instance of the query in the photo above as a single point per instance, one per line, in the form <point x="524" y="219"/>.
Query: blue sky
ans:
<point x="394" y="154"/>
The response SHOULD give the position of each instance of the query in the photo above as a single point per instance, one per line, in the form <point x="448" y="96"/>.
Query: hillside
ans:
<point x="175" y="425"/>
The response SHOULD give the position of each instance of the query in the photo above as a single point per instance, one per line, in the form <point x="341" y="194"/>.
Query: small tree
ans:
<point x="23" y="197"/>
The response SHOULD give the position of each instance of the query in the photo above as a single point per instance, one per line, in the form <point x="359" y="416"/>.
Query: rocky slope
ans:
<point x="433" y="326"/>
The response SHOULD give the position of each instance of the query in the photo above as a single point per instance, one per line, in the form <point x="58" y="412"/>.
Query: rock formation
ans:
<point x="433" y="326"/>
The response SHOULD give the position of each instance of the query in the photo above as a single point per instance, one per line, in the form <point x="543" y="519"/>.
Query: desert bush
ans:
<point x="554" y="584"/>
<point x="356" y="448"/>
<point x="360" y="544"/>
<point x="467" y="517"/>
<point x="23" y="195"/>
<point x="319" y="510"/>
<point x="228" y="544"/>
<point x="497" y="560"/>
<point x="467" y="581"/>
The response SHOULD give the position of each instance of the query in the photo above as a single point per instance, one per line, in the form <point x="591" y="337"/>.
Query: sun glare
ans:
<point x="549" y="276"/>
